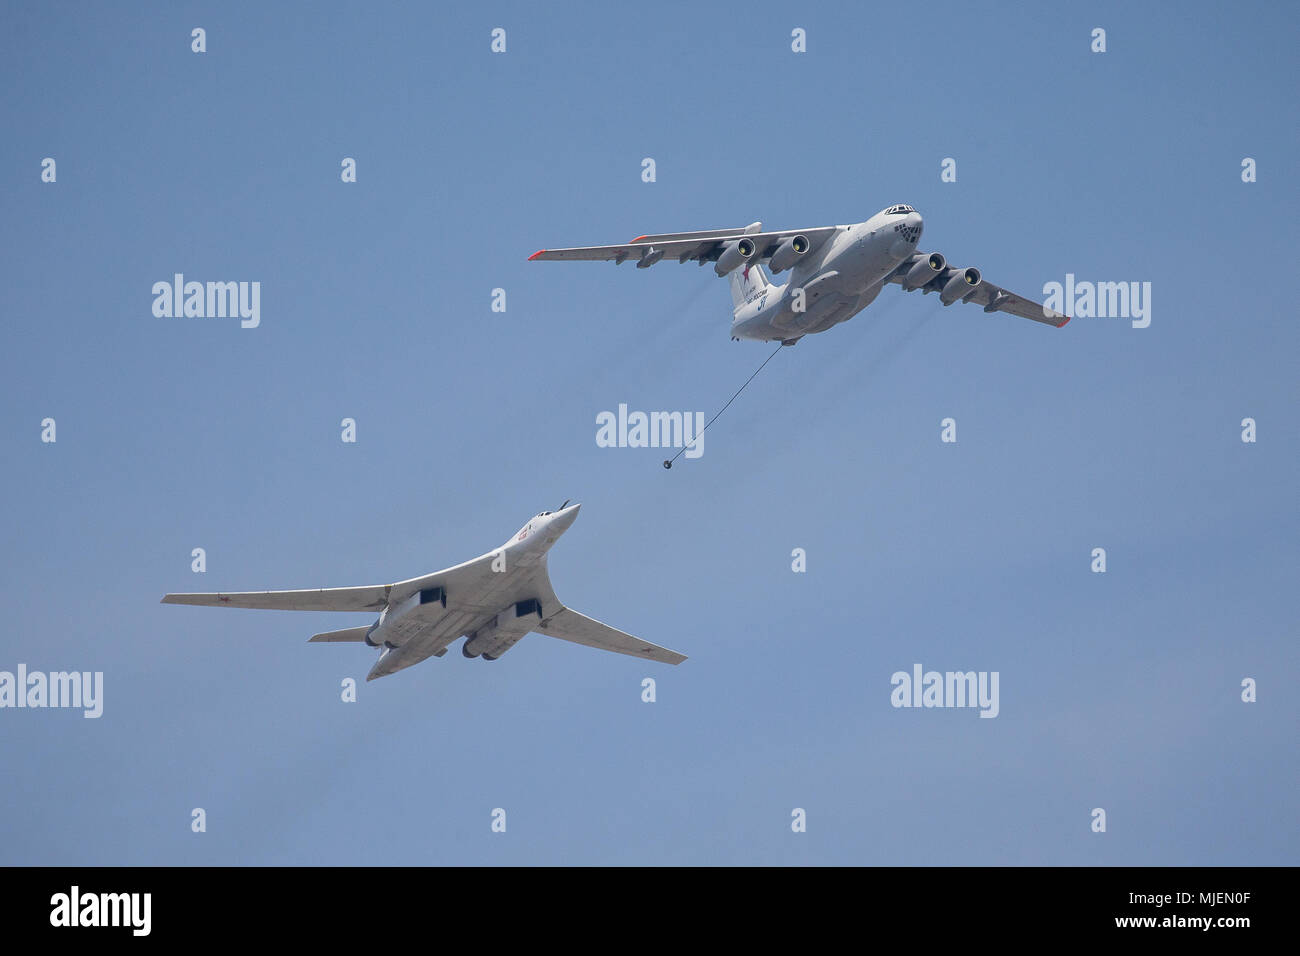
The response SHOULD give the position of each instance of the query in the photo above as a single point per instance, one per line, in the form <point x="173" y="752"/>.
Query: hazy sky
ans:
<point x="1119" y="691"/>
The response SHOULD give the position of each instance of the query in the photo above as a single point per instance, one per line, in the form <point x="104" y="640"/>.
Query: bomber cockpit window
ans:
<point x="896" y="210"/>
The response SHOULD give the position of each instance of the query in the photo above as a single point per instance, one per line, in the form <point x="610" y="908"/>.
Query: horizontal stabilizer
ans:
<point x="353" y="634"/>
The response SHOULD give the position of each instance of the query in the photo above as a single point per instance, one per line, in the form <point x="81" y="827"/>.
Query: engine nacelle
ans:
<point x="399" y="622"/>
<point x="960" y="285"/>
<point x="504" y="631"/>
<point x="788" y="253"/>
<point x="734" y="256"/>
<point x="923" y="271"/>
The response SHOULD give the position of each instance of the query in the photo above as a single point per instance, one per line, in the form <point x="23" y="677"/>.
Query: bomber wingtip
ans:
<point x="638" y="238"/>
<point x="536" y="254"/>
<point x="1065" y="323"/>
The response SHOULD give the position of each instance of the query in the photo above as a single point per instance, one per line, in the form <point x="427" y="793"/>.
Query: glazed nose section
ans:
<point x="907" y="233"/>
<point x="563" y="519"/>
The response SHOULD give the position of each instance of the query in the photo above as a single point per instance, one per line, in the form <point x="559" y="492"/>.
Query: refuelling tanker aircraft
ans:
<point x="835" y="272"/>
<point x="493" y="600"/>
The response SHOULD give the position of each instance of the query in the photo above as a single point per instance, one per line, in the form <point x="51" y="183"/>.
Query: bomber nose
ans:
<point x="567" y="517"/>
<point x="914" y="223"/>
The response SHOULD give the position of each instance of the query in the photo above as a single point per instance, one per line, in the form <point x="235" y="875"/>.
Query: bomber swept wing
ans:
<point x="463" y="578"/>
<point x="569" y="625"/>
<point x="369" y="598"/>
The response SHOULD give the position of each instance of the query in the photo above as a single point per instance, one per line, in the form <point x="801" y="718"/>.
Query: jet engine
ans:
<point x="504" y="631"/>
<point x="923" y="270"/>
<point x="962" y="284"/>
<point x="788" y="253"/>
<point x="734" y="256"/>
<point x="398" y="623"/>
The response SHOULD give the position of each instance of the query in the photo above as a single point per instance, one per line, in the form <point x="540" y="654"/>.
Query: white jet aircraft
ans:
<point x="493" y="601"/>
<point x="836" y="272"/>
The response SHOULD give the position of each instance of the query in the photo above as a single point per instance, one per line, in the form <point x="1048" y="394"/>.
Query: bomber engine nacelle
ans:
<point x="504" y="631"/>
<point x="398" y="622"/>
<point x="734" y="256"/>
<point x="924" y="270"/>
<point x="788" y="253"/>
<point x="960" y="285"/>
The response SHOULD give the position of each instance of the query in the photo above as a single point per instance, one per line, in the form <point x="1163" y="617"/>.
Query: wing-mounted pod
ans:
<point x="649" y="257"/>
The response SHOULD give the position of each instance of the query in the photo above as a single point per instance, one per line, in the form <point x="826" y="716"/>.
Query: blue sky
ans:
<point x="1118" y="690"/>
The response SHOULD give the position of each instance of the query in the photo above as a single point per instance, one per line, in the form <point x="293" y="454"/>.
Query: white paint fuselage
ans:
<point x="838" y="280"/>
<point x="423" y="625"/>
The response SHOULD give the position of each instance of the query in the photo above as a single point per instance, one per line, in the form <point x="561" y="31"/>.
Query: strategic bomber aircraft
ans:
<point x="493" y="600"/>
<point x="836" y="272"/>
